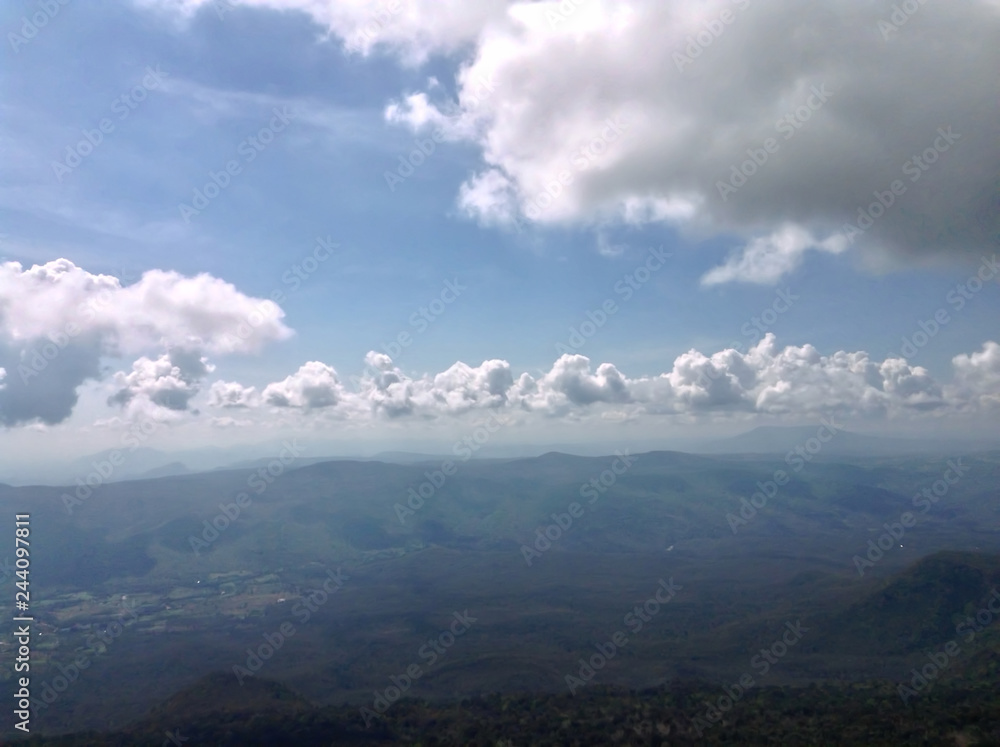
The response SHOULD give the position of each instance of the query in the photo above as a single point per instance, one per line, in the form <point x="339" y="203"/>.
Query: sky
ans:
<point x="389" y="223"/>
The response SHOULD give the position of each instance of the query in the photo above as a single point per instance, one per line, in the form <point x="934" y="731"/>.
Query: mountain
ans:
<point x="916" y="610"/>
<point x="683" y="713"/>
<point x="783" y="439"/>
<point x="547" y="555"/>
<point x="167" y="470"/>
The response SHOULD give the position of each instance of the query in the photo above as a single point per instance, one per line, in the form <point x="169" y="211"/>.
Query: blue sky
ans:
<point x="220" y="80"/>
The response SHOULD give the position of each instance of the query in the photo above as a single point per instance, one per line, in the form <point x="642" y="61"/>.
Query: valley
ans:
<point x="124" y="599"/>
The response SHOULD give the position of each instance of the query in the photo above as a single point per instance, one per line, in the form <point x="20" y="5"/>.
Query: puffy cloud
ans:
<point x="571" y="379"/>
<point x="163" y="308"/>
<point x="491" y="196"/>
<point x="637" y="130"/>
<point x="698" y="382"/>
<point x="168" y="382"/>
<point x="57" y="322"/>
<point x="663" y="111"/>
<point x="232" y="395"/>
<point x="791" y="382"/>
<point x="387" y="390"/>
<point x="767" y="259"/>
<point x="42" y="379"/>
<point x="463" y="387"/>
<point x="315" y="385"/>
<point x="977" y="377"/>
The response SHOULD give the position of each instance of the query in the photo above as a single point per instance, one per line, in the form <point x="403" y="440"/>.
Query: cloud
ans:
<point x="386" y="390"/>
<point x="571" y="378"/>
<point x="769" y="258"/>
<point x="977" y="379"/>
<point x="167" y="383"/>
<point x="490" y="196"/>
<point x="232" y="395"/>
<point x="414" y="29"/>
<point x="644" y="111"/>
<point x="58" y="321"/>
<point x="462" y="387"/>
<point x="560" y="88"/>
<point x="225" y="422"/>
<point x="793" y="382"/>
<point x="315" y="385"/>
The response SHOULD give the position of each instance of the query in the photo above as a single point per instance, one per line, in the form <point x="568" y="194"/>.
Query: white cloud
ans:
<point x="790" y="383"/>
<point x="315" y="385"/>
<point x="227" y="422"/>
<point x="58" y="321"/>
<point x="167" y="383"/>
<point x="232" y="395"/>
<point x="648" y="106"/>
<point x="767" y="259"/>
<point x="767" y="380"/>
<point x="977" y="379"/>
<point x="489" y="196"/>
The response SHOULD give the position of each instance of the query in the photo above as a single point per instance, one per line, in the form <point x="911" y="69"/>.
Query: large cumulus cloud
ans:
<point x="642" y="108"/>
<point x="58" y="322"/>
<point x="862" y="107"/>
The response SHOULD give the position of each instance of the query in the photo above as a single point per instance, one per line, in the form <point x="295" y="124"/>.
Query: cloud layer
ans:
<point x="769" y="380"/>
<point x="60" y="324"/>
